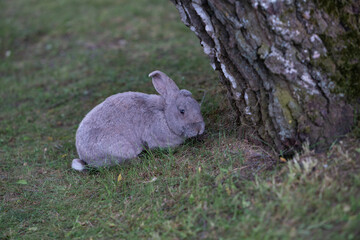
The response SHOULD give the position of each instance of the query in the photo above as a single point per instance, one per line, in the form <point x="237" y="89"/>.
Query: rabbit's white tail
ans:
<point x="78" y="164"/>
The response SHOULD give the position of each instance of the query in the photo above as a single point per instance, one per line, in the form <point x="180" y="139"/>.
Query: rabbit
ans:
<point x="125" y="124"/>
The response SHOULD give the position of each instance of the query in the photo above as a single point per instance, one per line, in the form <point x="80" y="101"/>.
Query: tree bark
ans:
<point x="270" y="55"/>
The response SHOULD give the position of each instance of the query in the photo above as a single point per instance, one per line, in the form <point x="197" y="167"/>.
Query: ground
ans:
<point x="58" y="59"/>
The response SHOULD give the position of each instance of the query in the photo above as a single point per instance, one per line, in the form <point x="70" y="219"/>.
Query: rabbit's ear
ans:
<point x="164" y="85"/>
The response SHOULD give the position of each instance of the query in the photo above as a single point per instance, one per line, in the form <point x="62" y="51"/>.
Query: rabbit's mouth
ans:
<point x="194" y="129"/>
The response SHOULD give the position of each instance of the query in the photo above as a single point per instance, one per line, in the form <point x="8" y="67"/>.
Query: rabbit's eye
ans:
<point x="182" y="111"/>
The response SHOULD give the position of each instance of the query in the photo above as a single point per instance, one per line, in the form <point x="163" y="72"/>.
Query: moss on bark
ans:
<point x="345" y="48"/>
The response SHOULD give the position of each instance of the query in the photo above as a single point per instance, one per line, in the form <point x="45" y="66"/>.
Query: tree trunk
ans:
<point x="271" y="56"/>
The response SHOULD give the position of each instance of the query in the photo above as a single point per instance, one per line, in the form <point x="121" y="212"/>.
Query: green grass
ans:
<point x="58" y="59"/>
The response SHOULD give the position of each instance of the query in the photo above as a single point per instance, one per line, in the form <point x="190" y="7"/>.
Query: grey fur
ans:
<point x="125" y="123"/>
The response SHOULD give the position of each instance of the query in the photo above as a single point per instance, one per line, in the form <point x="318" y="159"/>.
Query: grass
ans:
<point x="58" y="59"/>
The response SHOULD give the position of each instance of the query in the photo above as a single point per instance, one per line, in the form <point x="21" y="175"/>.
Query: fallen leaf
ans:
<point x="283" y="160"/>
<point x="152" y="180"/>
<point x="22" y="181"/>
<point x="119" y="177"/>
<point x="111" y="225"/>
<point x="228" y="191"/>
<point x="346" y="208"/>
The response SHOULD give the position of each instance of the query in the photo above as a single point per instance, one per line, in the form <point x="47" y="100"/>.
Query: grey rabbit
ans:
<point x="123" y="125"/>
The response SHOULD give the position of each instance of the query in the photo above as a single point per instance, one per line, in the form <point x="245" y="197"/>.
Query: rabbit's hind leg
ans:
<point x="121" y="151"/>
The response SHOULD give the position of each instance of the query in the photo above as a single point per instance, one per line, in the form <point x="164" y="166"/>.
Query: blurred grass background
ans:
<point x="58" y="59"/>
